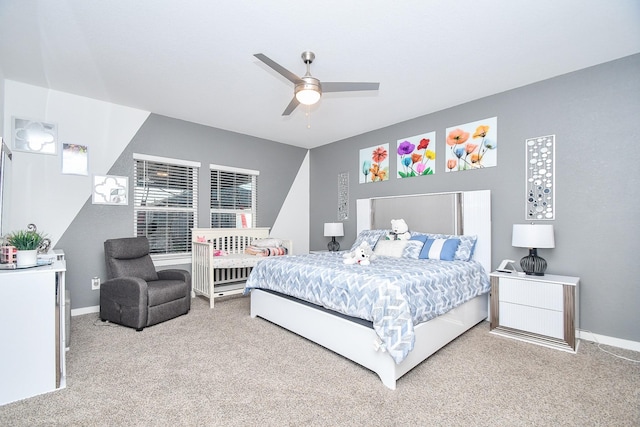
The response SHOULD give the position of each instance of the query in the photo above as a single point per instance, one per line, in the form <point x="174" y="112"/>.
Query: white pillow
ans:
<point x="398" y="248"/>
<point x="392" y="248"/>
<point x="267" y="243"/>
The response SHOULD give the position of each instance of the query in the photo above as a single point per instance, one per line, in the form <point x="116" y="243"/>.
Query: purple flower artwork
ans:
<point x="417" y="155"/>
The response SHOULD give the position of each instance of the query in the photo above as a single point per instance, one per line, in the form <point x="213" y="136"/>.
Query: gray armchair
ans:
<point x="135" y="294"/>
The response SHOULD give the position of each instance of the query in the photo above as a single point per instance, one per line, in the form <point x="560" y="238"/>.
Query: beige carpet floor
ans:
<point x="220" y="367"/>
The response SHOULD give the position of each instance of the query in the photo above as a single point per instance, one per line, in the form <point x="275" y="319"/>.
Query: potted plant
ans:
<point x="27" y="243"/>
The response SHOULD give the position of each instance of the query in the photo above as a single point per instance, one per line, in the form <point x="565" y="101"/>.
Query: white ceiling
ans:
<point x="193" y="60"/>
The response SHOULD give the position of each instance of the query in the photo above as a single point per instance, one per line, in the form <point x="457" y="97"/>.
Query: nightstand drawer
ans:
<point x="531" y="293"/>
<point x="538" y="309"/>
<point x="532" y="319"/>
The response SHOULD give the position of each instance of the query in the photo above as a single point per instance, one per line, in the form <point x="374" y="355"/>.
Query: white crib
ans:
<point x="218" y="276"/>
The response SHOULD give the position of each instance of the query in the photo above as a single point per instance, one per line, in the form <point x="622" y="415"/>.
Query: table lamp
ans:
<point x="333" y="229"/>
<point x="533" y="236"/>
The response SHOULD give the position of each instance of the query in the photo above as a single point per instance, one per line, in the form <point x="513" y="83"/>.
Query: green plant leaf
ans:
<point x="25" y="240"/>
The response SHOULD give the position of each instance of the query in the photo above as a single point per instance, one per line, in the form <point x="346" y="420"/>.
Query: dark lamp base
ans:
<point x="532" y="264"/>
<point x="333" y="246"/>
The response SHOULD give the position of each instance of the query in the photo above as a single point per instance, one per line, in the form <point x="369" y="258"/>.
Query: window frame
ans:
<point x="171" y="162"/>
<point x="254" y="193"/>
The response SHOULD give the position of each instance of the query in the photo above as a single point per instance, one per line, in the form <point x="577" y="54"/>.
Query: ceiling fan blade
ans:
<point x="292" y="106"/>
<point x="348" y="87"/>
<point x="279" y="68"/>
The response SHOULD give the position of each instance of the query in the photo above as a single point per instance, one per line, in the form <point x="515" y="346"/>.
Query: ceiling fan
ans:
<point x="308" y="89"/>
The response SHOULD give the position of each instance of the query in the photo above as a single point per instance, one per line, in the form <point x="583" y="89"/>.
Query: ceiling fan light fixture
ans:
<point x="308" y="91"/>
<point x="308" y="96"/>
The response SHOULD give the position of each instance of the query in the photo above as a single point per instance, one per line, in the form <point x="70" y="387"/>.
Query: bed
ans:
<point x="395" y="333"/>
<point x="222" y="258"/>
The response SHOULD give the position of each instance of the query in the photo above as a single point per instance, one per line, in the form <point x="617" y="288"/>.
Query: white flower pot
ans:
<point x="26" y="258"/>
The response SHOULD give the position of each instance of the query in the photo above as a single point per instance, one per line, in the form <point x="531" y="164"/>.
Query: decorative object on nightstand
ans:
<point x="533" y="236"/>
<point x="333" y="229"/>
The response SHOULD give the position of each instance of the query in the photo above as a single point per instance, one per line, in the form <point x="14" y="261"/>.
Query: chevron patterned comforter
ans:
<point x="393" y="293"/>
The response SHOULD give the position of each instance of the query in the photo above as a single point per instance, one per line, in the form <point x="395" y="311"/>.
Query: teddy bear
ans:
<point x="362" y="255"/>
<point x="399" y="230"/>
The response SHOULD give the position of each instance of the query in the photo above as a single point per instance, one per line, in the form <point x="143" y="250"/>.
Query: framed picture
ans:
<point x="110" y="190"/>
<point x="34" y="137"/>
<point x="472" y="145"/>
<point x="374" y="164"/>
<point x="417" y="155"/>
<point x="75" y="159"/>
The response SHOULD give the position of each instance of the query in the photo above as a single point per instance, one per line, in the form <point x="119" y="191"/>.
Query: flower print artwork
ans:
<point x="472" y="146"/>
<point x="374" y="164"/>
<point x="417" y="155"/>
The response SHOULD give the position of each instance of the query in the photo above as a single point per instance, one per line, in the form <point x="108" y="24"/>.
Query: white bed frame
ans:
<point x="215" y="277"/>
<point x="360" y="343"/>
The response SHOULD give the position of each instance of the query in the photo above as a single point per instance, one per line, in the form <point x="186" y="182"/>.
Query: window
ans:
<point x="233" y="197"/>
<point x="165" y="202"/>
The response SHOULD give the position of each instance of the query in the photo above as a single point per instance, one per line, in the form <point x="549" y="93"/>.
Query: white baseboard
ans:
<point x="605" y="340"/>
<point x="85" y="310"/>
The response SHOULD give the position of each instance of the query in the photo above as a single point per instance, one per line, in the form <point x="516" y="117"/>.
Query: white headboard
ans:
<point x="469" y="213"/>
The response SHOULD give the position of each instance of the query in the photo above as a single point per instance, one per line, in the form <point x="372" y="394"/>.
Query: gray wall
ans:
<point x="2" y="103"/>
<point x="594" y="114"/>
<point x="162" y="136"/>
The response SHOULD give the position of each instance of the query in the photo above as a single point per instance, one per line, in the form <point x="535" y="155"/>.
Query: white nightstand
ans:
<point x="538" y="309"/>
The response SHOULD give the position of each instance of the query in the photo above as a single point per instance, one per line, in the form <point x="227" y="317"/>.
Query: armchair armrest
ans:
<point x="128" y="291"/>
<point x="175" y="274"/>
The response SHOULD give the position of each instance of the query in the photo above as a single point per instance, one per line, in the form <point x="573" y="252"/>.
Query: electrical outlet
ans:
<point x="95" y="283"/>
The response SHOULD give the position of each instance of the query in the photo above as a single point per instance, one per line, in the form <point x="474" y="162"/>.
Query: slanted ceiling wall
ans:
<point x="594" y="114"/>
<point x="61" y="205"/>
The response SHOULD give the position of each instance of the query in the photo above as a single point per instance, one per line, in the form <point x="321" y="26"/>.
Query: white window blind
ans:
<point x="233" y="197"/>
<point x="165" y="203"/>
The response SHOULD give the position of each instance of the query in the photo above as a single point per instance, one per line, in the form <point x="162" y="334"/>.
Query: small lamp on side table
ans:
<point x="333" y="229"/>
<point x="533" y="236"/>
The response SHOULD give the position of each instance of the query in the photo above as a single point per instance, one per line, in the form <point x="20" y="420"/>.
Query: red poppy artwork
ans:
<point x="472" y="145"/>
<point x="374" y="164"/>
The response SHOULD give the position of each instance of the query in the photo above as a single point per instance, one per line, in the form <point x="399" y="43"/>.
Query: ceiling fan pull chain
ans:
<point x="308" y="114"/>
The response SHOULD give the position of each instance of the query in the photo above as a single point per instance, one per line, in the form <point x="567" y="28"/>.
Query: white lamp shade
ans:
<point x="533" y="236"/>
<point x="333" y="229"/>
<point x="308" y="96"/>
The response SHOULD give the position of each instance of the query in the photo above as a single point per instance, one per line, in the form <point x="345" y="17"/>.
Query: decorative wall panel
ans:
<point x="540" y="185"/>
<point x="343" y="196"/>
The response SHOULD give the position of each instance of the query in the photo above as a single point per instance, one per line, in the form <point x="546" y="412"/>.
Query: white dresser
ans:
<point x="32" y="329"/>
<point x="538" y="309"/>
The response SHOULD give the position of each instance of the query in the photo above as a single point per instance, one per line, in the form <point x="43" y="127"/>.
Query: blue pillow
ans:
<point x="465" y="248"/>
<point x="444" y="249"/>
<point x="412" y="249"/>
